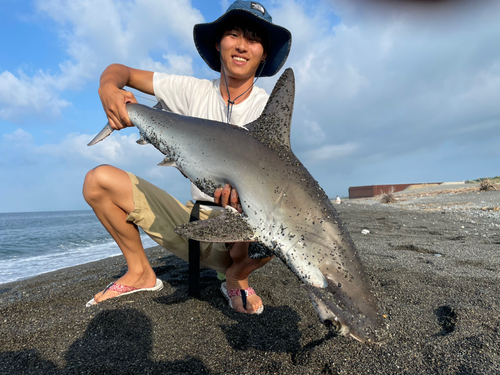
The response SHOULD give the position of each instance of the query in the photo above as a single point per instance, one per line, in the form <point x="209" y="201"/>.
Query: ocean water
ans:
<point x="39" y="242"/>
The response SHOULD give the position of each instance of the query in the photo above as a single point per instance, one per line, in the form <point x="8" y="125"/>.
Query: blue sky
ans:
<point x="386" y="91"/>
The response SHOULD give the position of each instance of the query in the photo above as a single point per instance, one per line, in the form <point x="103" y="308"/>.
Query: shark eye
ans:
<point x="332" y="324"/>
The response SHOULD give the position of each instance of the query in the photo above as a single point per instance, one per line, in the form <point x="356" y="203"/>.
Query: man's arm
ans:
<point x="113" y="98"/>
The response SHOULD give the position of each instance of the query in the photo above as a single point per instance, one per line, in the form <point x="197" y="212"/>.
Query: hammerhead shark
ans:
<point x="286" y="212"/>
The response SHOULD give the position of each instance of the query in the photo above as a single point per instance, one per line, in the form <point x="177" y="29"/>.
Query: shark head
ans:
<point x="347" y="301"/>
<point x="347" y="319"/>
<point x="328" y="263"/>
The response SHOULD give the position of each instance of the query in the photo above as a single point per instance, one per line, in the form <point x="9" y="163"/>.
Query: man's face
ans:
<point x="241" y="56"/>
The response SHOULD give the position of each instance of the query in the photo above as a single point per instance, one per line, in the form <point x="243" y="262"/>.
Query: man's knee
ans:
<point x="239" y="251"/>
<point x="96" y="181"/>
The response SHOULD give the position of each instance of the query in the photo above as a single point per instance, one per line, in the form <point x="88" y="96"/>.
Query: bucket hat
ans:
<point x="280" y="38"/>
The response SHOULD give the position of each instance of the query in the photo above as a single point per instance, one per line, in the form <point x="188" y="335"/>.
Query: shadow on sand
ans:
<point x="115" y="342"/>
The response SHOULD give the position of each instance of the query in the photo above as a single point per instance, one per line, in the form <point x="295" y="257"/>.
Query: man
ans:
<point x="242" y="44"/>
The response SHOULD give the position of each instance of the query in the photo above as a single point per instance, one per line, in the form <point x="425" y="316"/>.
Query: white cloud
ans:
<point x="117" y="148"/>
<point x="18" y="136"/>
<point x="175" y="64"/>
<point x="22" y="94"/>
<point x="393" y="76"/>
<point x="53" y="174"/>
<point x="225" y="4"/>
<point x="331" y="152"/>
<point x="96" y="33"/>
<point x="311" y="132"/>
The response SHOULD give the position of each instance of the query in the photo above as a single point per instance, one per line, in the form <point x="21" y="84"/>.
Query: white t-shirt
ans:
<point x="196" y="97"/>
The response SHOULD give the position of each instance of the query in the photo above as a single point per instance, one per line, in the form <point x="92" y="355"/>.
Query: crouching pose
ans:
<point x="243" y="44"/>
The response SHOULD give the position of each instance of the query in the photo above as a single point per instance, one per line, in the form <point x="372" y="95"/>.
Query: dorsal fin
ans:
<point x="273" y="127"/>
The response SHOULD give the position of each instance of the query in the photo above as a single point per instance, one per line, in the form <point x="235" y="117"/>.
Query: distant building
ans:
<point x="356" y="192"/>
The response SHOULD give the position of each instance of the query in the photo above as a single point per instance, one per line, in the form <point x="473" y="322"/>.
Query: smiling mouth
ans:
<point x="239" y="59"/>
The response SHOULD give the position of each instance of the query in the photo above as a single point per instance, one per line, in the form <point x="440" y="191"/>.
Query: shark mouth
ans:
<point x="346" y="323"/>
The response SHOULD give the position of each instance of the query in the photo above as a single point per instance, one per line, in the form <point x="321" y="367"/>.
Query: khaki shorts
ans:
<point x="158" y="214"/>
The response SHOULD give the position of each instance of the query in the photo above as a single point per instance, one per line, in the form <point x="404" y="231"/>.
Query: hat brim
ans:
<point x="204" y="35"/>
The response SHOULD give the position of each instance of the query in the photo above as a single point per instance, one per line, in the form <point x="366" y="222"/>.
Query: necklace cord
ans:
<point x="230" y="102"/>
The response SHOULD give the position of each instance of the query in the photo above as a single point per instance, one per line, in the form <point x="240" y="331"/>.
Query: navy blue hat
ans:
<point x="280" y="38"/>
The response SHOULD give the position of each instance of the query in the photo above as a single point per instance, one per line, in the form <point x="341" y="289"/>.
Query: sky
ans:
<point x="387" y="92"/>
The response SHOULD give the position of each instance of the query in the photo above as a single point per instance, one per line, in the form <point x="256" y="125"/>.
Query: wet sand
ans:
<point x="434" y="262"/>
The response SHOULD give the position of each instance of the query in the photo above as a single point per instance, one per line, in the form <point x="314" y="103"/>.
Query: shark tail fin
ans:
<point x="106" y="131"/>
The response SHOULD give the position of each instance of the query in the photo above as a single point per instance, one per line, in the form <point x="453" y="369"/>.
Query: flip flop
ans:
<point x="243" y="293"/>
<point x="124" y="290"/>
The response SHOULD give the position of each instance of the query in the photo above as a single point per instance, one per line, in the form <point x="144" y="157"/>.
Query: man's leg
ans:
<point x="108" y="191"/>
<point x="237" y="276"/>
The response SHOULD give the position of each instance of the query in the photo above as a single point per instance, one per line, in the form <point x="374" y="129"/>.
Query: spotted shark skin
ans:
<point x="285" y="209"/>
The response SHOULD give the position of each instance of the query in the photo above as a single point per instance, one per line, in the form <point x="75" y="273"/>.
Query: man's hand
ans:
<point x="114" y="98"/>
<point x="114" y="102"/>
<point x="228" y="196"/>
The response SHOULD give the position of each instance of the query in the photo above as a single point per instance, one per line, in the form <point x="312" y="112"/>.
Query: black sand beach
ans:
<point x="434" y="261"/>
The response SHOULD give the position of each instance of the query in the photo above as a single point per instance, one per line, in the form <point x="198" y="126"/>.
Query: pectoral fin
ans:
<point x="167" y="162"/>
<point x="227" y="227"/>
